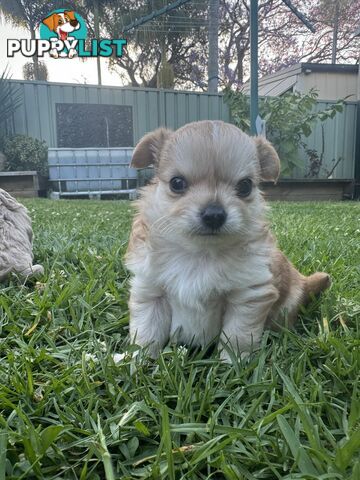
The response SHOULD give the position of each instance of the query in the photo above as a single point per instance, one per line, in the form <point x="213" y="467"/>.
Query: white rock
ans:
<point x="119" y="357"/>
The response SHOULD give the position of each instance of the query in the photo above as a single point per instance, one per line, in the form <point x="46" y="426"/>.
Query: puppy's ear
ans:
<point x="50" y="22"/>
<point x="71" y="14"/>
<point x="147" y="151"/>
<point x="268" y="159"/>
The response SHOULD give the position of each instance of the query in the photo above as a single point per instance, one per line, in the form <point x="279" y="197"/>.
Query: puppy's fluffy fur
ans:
<point x="192" y="283"/>
<point x="15" y="239"/>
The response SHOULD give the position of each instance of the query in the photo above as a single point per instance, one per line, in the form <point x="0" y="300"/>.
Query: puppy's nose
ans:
<point x="73" y="23"/>
<point x="213" y="216"/>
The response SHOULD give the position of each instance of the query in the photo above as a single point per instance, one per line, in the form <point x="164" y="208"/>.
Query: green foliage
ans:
<point x="25" y="153"/>
<point x="26" y="13"/>
<point x="40" y="72"/>
<point x="10" y="100"/>
<point x="291" y="412"/>
<point x="288" y="118"/>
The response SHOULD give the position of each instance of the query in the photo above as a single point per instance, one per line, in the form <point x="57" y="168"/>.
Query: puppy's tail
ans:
<point x="315" y="284"/>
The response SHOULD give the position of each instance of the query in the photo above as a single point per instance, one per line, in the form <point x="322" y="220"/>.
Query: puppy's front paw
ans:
<point x="227" y="358"/>
<point x="32" y="271"/>
<point x="54" y="53"/>
<point x="151" y="350"/>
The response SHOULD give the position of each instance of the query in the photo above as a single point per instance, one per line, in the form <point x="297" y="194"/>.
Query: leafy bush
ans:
<point x="288" y="118"/>
<point x="30" y="73"/>
<point x="25" y="153"/>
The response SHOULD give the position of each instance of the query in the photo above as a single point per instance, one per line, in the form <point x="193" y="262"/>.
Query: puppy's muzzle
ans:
<point x="213" y="216"/>
<point x="74" y="23"/>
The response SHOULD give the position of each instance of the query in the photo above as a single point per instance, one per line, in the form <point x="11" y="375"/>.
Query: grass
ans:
<point x="292" y="412"/>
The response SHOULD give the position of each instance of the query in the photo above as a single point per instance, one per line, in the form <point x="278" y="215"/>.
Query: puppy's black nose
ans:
<point x="74" y="23"/>
<point x="213" y="216"/>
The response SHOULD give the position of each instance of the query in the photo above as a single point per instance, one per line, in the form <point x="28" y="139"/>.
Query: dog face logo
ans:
<point x="64" y="28"/>
<point x="62" y="23"/>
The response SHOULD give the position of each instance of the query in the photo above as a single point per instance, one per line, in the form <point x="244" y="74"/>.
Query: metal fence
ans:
<point x="335" y="140"/>
<point x="151" y="108"/>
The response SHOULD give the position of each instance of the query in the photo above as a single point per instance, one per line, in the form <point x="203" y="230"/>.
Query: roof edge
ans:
<point x="330" y="67"/>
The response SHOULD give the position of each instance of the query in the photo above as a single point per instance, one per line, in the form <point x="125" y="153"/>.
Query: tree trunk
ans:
<point x="35" y="58"/>
<point x="134" y="82"/>
<point x="213" y="64"/>
<point x="335" y="33"/>
<point x="240" y="66"/>
<point x="240" y="53"/>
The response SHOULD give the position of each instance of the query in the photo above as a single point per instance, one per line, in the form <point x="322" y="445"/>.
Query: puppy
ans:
<point x="15" y="239"/>
<point x="62" y="24"/>
<point x="204" y="263"/>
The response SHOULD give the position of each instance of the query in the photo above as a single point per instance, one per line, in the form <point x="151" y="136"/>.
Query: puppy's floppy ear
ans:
<point x="50" y="22"/>
<point x="268" y="159"/>
<point x="147" y="151"/>
<point x="71" y="14"/>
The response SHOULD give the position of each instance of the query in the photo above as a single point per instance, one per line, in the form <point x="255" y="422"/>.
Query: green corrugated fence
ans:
<point x="152" y="108"/>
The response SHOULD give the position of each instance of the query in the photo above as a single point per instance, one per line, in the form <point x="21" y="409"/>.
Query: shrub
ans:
<point x="288" y="118"/>
<point x="30" y="74"/>
<point x="25" y="153"/>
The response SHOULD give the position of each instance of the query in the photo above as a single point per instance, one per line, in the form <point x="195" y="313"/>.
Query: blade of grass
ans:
<point x="346" y="451"/>
<point x="301" y="409"/>
<point x="166" y="441"/>
<point x="105" y="455"/>
<point x="301" y="457"/>
<point x="3" y="449"/>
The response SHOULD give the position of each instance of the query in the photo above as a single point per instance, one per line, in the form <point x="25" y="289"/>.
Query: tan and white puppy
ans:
<point x="204" y="262"/>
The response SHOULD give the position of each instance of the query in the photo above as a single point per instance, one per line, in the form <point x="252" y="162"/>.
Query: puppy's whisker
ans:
<point x="159" y="225"/>
<point x="166" y="228"/>
<point x="163" y="224"/>
<point x="159" y="221"/>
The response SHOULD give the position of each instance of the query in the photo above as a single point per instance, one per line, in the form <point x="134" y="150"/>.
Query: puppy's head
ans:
<point x="207" y="181"/>
<point x="62" y="23"/>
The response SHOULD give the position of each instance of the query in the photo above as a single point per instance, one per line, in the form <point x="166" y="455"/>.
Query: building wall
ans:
<point x="330" y="86"/>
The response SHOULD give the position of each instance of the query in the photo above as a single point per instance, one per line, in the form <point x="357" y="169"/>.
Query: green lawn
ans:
<point x="291" y="412"/>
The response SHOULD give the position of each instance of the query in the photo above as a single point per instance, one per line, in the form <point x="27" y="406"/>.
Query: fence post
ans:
<point x="357" y="154"/>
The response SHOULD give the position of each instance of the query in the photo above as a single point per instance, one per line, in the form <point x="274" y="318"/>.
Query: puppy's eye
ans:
<point x="178" y="184"/>
<point x="60" y="21"/>
<point x="244" y="188"/>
